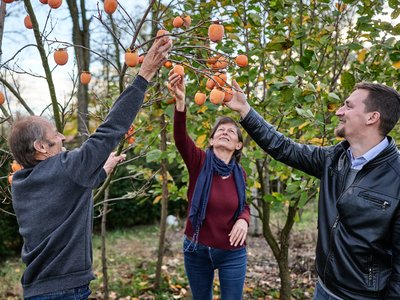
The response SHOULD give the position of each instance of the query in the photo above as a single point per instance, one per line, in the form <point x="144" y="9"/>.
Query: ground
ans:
<point x="131" y="260"/>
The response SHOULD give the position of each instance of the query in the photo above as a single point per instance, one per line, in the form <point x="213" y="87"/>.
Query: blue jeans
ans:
<point x="321" y="294"/>
<point x="79" y="293"/>
<point x="201" y="263"/>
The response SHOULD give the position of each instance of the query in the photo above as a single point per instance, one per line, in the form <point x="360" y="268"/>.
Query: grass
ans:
<point x="131" y="260"/>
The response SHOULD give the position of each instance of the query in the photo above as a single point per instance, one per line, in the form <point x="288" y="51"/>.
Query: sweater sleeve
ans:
<point x="85" y="164"/>
<point x="245" y="215"/>
<point x="190" y="153"/>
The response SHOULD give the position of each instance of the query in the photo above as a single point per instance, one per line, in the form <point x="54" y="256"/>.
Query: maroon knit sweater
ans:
<point x="223" y="201"/>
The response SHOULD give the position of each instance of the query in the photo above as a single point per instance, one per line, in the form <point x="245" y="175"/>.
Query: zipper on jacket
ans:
<point x="382" y="203"/>
<point x="335" y="224"/>
<point x="370" y="272"/>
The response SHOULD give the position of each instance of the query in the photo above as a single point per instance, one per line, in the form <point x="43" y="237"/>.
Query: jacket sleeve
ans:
<point x="307" y="158"/>
<point x="85" y="164"/>
<point x="393" y="286"/>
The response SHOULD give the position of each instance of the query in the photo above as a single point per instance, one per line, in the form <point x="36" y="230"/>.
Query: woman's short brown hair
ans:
<point x="227" y="120"/>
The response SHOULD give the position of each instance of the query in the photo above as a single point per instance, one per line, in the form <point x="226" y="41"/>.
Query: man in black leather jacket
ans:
<point x="358" y="247"/>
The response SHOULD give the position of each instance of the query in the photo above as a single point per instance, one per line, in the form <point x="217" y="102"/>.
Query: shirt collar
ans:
<point x="359" y="162"/>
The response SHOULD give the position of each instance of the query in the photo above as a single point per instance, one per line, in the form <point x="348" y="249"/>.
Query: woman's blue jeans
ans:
<point x="321" y="294"/>
<point x="79" y="293"/>
<point x="201" y="263"/>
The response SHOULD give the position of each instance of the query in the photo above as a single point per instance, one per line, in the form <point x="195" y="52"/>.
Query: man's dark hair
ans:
<point x="227" y="120"/>
<point x="24" y="132"/>
<point x="385" y="100"/>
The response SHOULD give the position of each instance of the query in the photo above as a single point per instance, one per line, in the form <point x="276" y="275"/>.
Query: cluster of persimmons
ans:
<point x="220" y="91"/>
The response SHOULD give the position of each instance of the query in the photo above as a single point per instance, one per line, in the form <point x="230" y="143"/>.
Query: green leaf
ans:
<point x="299" y="70"/>
<point x="355" y="46"/>
<point x="396" y="29"/>
<point x="333" y="96"/>
<point x="291" y="79"/>
<point x="395" y="13"/>
<point x="303" y="199"/>
<point x="153" y="155"/>
<point x="306" y="113"/>
<point x="395" y="56"/>
<point x="347" y="80"/>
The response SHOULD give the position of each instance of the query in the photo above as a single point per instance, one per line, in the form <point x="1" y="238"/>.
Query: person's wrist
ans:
<point x="180" y="105"/>
<point x="245" y="110"/>
<point x="148" y="75"/>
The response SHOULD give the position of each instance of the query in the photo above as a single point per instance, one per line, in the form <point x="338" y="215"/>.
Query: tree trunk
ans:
<point x="164" y="202"/>
<point x="45" y="64"/>
<point x="81" y="40"/>
<point x="103" y="244"/>
<point x="279" y="247"/>
<point x="2" y="19"/>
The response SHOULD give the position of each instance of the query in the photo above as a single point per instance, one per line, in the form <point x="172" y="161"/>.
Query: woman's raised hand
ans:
<point x="177" y="88"/>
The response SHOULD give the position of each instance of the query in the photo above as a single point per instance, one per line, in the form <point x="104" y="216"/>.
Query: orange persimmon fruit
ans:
<point x="131" y="58"/>
<point x="210" y="84"/>
<point x="54" y="3"/>
<point x="187" y="20"/>
<point x="220" y="78"/>
<point x="161" y="32"/>
<point x="217" y="96"/>
<point x="179" y="69"/>
<point x="110" y="6"/>
<point x="170" y="101"/>
<point x="178" y="22"/>
<point x="15" y="166"/>
<point x="85" y="77"/>
<point x="242" y="60"/>
<point x="168" y="64"/>
<point x="199" y="98"/>
<point x="28" y="22"/>
<point x="228" y="94"/>
<point x="216" y="32"/>
<point x="213" y="59"/>
<point x="61" y="56"/>
<point x="2" y="98"/>
<point x="221" y="63"/>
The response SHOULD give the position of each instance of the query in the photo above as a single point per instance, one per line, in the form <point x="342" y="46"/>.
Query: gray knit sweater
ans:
<point x="53" y="203"/>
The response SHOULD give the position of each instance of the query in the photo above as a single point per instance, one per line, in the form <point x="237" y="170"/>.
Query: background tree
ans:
<point x="81" y="41"/>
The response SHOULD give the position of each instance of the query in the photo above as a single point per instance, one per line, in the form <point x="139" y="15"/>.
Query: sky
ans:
<point x="34" y="89"/>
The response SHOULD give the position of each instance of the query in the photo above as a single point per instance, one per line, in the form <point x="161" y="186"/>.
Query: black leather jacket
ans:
<point x="358" y="247"/>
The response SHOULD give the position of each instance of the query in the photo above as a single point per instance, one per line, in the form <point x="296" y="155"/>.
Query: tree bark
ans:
<point x="279" y="246"/>
<point x="164" y="202"/>
<point x="2" y="19"/>
<point x="103" y="244"/>
<point x="81" y="41"/>
<point x="45" y="64"/>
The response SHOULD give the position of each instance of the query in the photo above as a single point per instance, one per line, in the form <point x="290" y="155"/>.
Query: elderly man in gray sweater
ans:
<point x="52" y="194"/>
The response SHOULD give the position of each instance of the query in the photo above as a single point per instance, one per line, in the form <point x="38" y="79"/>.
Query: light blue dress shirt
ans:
<point x="358" y="162"/>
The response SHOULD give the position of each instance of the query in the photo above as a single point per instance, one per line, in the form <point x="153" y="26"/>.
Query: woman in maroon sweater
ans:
<point x="218" y="219"/>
